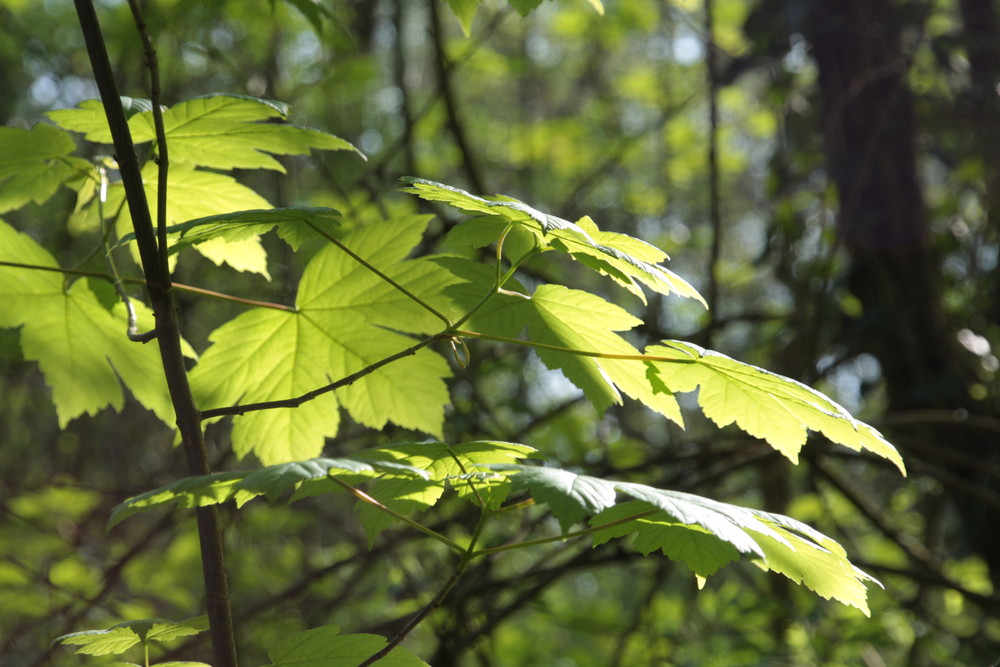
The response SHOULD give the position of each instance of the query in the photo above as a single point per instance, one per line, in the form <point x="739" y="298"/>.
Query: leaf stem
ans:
<point x="139" y="281"/>
<point x="364" y="497"/>
<point x="570" y="350"/>
<point x="564" y="537"/>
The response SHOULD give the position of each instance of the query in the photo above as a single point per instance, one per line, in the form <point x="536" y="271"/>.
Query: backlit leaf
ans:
<point x="123" y="636"/>
<point x="338" y="328"/>
<point x="628" y="261"/>
<point x="81" y="347"/>
<point x="764" y="404"/>
<point x="215" y="131"/>
<point x="34" y="163"/>
<point x="703" y="533"/>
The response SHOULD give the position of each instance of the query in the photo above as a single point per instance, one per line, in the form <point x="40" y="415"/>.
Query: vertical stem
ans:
<point x="714" y="212"/>
<point x="167" y="336"/>
<point x="450" y="104"/>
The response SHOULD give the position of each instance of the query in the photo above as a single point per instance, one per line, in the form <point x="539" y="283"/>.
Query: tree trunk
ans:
<point x="868" y="132"/>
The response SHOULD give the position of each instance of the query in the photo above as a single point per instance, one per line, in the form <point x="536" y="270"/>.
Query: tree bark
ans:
<point x="868" y="133"/>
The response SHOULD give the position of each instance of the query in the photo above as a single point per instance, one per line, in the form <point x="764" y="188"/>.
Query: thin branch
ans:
<point x="565" y="536"/>
<point x="139" y="281"/>
<point x="420" y="615"/>
<point x="714" y="210"/>
<point x="315" y="393"/>
<point x="163" y="161"/>
<point x="447" y="92"/>
<point x="364" y="497"/>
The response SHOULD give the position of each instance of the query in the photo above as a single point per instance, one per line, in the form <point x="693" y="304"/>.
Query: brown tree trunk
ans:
<point x="868" y="132"/>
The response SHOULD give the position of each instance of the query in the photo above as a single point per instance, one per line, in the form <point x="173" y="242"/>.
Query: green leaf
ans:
<point x="628" y="261"/>
<point x="194" y="194"/>
<point x="443" y="462"/>
<point x="703" y="533"/>
<point x="216" y="131"/>
<point x="465" y="10"/>
<point x="88" y="119"/>
<point x="293" y="224"/>
<point x="339" y="328"/>
<point x="81" y="348"/>
<point x="561" y="317"/>
<point x="313" y="10"/>
<point x="326" y="647"/>
<point x="34" y="163"/>
<point x="301" y="478"/>
<point x="123" y="636"/>
<point x="765" y="405"/>
<point x="696" y="547"/>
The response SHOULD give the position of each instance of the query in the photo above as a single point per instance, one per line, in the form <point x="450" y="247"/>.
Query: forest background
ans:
<point x="824" y="172"/>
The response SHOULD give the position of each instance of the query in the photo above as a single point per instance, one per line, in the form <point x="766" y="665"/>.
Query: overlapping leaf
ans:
<point x="577" y="332"/>
<point x="765" y="405"/>
<point x="340" y="326"/>
<point x="410" y="476"/>
<point x="630" y="262"/>
<point x="297" y="479"/>
<point x="193" y="194"/>
<point x="216" y="131"/>
<point x="34" y="163"/>
<point x="564" y="318"/>
<point x="81" y="347"/>
<point x="326" y="647"/>
<point x="453" y="463"/>
<point x="703" y="533"/>
<point x="293" y="224"/>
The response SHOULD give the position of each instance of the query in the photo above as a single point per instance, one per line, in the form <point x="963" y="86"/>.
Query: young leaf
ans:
<point x="628" y="261"/>
<point x="123" y="636"/>
<point x="325" y="647"/>
<point x="715" y="532"/>
<point x="764" y="404"/>
<point x="34" y="163"/>
<point x="337" y="329"/>
<point x="80" y="346"/>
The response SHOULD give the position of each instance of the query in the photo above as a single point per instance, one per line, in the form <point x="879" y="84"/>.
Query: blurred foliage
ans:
<point x="576" y="113"/>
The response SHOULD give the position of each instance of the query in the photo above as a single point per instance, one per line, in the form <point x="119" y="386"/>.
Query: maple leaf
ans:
<point x="214" y="131"/>
<point x="34" y="163"/>
<point x="340" y="326"/>
<point x="81" y="347"/>
<point x="628" y="261"/>
<point x="703" y="533"/>
<point x="559" y="318"/>
<point x="766" y="405"/>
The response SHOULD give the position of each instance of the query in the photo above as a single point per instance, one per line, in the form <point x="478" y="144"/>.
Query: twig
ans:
<point x="315" y="393"/>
